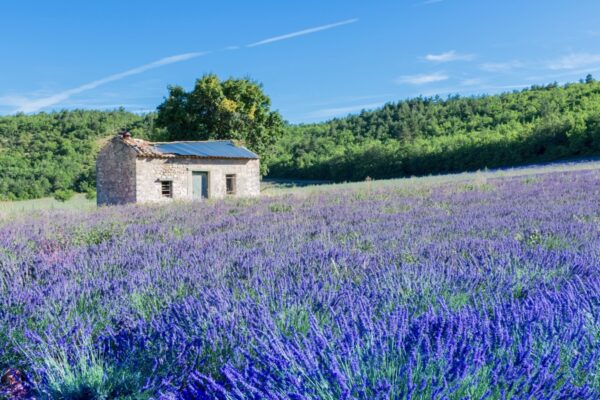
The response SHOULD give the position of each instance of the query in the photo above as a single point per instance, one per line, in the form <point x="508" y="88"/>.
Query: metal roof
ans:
<point x="212" y="149"/>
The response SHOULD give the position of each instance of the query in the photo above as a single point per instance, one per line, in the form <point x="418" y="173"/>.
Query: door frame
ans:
<point x="191" y="184"/>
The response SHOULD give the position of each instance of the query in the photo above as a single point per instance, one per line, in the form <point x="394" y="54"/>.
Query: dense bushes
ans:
<point x="433" y="135"/>
<point x="45" y="154"/>
<point x="54" y="154"/>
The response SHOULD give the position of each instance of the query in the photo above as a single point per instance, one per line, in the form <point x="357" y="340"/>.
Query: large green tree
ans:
<point x="236" y="109"/>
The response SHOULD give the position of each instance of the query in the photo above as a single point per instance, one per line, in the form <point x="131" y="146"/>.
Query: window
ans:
<point x="166" y="188"/>
<point x="230" y="184"/>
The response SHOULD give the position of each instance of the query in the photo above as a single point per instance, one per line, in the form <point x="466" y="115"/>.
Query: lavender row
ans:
<point x="461" y="290"/>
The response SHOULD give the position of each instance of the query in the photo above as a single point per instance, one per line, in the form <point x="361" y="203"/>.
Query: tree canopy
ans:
<point x="235" y="109"/>
<point x="54" y="153"/>
<point x="428" y="135"/>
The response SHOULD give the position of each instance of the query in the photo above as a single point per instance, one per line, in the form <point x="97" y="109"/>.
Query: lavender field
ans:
<point x="470" y="289"/>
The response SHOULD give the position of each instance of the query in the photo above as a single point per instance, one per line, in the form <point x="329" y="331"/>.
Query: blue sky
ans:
<point x="316" y="59"/>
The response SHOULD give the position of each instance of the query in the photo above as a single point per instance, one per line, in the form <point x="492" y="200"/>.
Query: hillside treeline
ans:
<point x="46" y="154"/>
<point x="434" y="135"/>
<point x="54" y="153"/>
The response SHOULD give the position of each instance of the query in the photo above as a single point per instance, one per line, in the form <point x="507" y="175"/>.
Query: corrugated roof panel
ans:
<point x="223" y="149"/>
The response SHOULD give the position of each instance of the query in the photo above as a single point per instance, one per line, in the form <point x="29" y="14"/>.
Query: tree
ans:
<point x="46" y="152"/>
<point x="63" y="195"/>
<point x="236" y="109"/>
<point x="433" y="135"/>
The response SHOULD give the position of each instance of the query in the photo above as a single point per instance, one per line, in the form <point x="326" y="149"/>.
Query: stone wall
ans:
<point x="151" y="171"/>
<point x="115" y="173"/>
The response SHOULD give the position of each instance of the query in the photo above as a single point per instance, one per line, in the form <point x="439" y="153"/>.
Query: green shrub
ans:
<point x="424" y="136"/>
<point x="277" y="207"/>
<point x="90" y="194"/>
<point x="63" y="194"/>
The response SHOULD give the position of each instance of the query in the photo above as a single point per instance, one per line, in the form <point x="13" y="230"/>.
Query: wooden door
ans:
<point x="199" y="185"/>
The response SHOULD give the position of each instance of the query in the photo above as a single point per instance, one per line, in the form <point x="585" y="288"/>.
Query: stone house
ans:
<point x="132" y="170"/>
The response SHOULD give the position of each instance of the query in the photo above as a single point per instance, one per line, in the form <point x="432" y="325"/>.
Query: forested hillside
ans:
<point x="46" y="154"/>
<point x="433" y="135"/>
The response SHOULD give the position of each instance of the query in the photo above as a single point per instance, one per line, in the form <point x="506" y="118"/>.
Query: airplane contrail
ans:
<point x="28" y="105"/>
<point x="302" y="32"/>
<point x="36" y="105"/>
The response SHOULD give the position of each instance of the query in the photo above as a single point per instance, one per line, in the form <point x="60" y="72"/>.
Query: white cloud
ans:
<point x="12" y="100"/>
<point x="427" y="2"/>
<point x="143" y="110"/>
<point x="422" y="79"/>
<point x="501" y="66"/>
<point x="471" y="82"/>
<point x="471" y="90"/>
<point x="568" y="74"/>
<point x="352" y="99"/>
<point x="574" y="61"/>
<point x="340" y="111"/>
<point x="448" y="56"/>
<point x="515" y="86"/>
<point x="302" y="32"/>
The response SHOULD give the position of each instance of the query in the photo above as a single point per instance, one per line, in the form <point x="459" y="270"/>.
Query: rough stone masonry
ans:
<point x="131" y="170"/>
